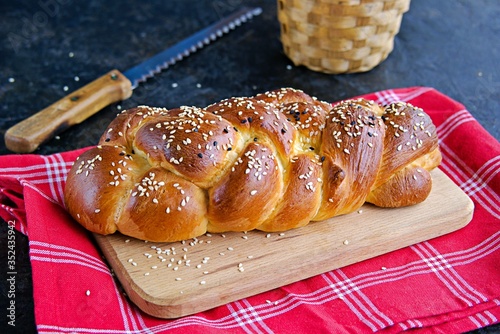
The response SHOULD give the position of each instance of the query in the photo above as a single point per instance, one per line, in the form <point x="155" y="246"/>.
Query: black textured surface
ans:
<point x="451" y="45"/>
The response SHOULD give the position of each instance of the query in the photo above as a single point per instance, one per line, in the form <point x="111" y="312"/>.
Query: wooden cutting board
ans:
<point x="170" y="280"/>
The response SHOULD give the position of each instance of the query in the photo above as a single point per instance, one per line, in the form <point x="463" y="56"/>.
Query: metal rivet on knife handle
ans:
<point x="74" y="108"/>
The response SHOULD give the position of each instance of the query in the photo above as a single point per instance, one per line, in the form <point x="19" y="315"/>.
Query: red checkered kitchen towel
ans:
<point x="446" y="285"/>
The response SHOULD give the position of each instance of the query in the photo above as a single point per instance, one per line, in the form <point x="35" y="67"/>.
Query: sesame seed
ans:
<point x="253" y="192"/>
<point x="87" y="292"/>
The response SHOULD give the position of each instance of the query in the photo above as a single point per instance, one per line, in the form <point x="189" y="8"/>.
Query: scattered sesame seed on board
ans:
<point x="346" y="242"/>
<point x="87" y="292"/>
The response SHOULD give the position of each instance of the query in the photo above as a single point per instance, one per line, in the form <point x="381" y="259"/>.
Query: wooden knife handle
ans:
<point x="72" y="109"/>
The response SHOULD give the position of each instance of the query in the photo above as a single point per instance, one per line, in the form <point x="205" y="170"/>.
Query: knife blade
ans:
<point x="114" y="86"/>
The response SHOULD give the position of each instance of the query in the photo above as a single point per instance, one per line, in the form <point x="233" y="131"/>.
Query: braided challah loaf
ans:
<point x="272" y="162"/>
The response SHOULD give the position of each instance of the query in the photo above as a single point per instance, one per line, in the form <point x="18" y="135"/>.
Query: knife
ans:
<point x="112" y="87"/>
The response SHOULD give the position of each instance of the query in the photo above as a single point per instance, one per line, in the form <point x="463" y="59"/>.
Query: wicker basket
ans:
<point x="339" y="36"/>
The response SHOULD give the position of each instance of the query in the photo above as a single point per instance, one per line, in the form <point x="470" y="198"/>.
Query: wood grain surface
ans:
<point x="170" y="280"/>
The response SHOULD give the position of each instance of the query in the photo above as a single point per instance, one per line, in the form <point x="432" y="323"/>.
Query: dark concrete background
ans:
<point x="451" y="45"/>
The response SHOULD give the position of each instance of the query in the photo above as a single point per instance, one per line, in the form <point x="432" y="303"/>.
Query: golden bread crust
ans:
<point x="272" y="162"/>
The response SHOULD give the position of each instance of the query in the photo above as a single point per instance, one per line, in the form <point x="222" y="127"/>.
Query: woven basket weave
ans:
<point x="339" y="36"/>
